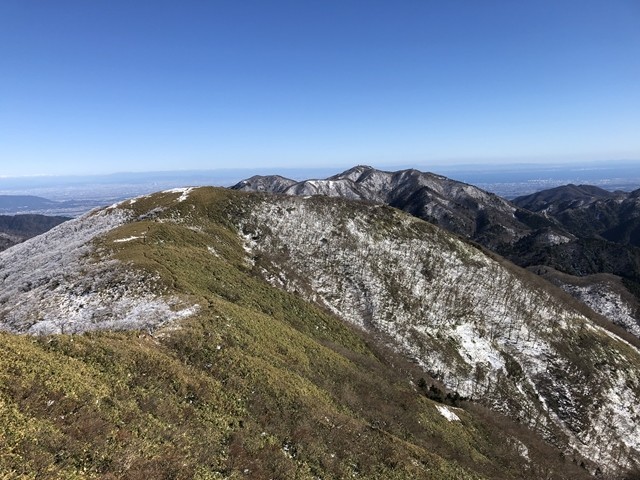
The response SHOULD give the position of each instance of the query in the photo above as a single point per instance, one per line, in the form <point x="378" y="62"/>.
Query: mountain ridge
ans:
<point x="481" y="328"/>
<point x="612" y="216"/>
<point x="456" y="206"/>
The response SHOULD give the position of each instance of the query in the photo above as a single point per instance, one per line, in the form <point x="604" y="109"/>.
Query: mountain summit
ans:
<point x="461" y="208"/>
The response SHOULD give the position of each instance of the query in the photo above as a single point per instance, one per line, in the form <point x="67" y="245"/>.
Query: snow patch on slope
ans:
<point x="448" y="414"/>
<point x="52" y="284"/>
<point x="128" y="239"/>
<point x="607" y="303"/>
<point x="184" y="191"/>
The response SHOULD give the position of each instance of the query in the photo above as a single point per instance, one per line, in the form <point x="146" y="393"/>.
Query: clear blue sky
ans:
<point x="105" y="86"/>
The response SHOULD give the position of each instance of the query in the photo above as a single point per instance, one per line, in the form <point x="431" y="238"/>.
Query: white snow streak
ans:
<point x="184" y="191"/>
<point x="448" y="414"/>
<point x="128" y="239"/>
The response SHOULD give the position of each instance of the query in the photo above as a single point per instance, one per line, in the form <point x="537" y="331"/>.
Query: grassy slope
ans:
<point x="258" y="385"/>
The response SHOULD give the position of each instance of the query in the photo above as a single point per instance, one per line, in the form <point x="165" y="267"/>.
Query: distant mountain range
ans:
<point x="24" y="202"/>
<point x="588" y="211"/>
<point x="15" y="229"/>
<point x="461" y="208"/>
<point x="577" y="230"/>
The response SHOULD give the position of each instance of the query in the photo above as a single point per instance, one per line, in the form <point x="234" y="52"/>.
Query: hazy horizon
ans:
<point x="280" y="169"/>
<point x="83" y="192"/>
